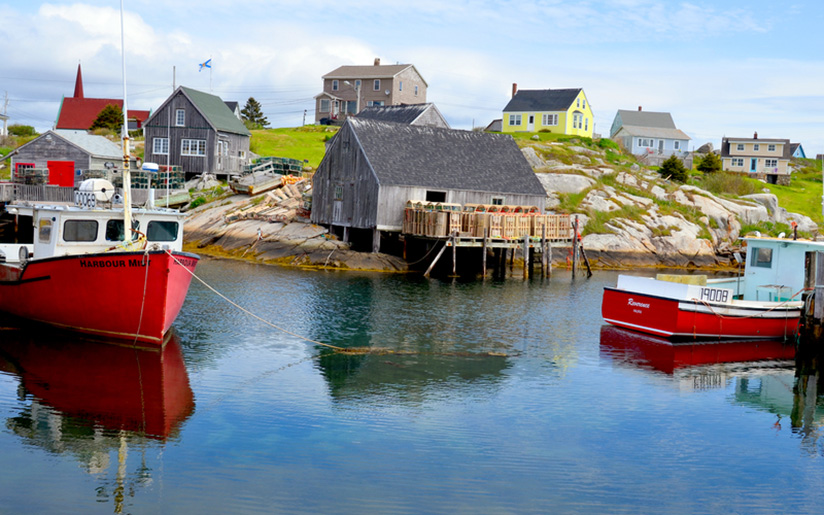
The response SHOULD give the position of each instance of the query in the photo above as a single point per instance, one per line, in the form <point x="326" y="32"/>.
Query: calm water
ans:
<point x="499" y="398"/>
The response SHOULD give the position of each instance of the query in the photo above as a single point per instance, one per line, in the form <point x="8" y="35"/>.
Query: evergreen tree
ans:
<point x="110" y="117"/>
<point x="253" y="115"/>
<point x="711" y="163"/>
<point x="674" y="169"/>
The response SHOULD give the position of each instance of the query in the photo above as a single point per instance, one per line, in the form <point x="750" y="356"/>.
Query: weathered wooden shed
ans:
<point x="372" y="168"/>
<point x="64" y="152"/>
<point x="198" y="132"/>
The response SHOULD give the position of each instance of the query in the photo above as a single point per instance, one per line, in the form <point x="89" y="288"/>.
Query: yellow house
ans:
<point x="562" y="111"/>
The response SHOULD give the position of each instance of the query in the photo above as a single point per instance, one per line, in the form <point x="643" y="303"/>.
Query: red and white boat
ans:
<point x="74" y="270"/>
<point x="763" y="303"/>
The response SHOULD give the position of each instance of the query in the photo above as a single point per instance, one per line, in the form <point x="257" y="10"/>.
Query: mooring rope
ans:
<point x="755" y="315"/>
<point x="253" y="315"/>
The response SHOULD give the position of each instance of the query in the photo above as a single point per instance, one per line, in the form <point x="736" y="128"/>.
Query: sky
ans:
<point x="727" y="68"/>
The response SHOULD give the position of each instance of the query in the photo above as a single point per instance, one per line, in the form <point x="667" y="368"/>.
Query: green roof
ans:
<point x="216" y="111"/>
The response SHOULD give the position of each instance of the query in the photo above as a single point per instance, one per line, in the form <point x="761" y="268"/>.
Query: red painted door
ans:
<point x="61" y="173"/>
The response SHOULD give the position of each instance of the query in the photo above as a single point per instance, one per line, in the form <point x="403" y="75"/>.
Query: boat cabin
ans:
<point x="40" y="231"/>
<point x="775" y="268"/>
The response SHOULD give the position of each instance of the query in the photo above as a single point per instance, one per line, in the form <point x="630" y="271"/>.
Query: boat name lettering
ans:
<point x="637" y="304"/>
<point x="118" y="263"/>
<point x="187" y="262"/>
<point x="715" y="294"/>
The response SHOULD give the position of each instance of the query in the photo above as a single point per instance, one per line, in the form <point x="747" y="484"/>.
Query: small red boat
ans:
<point x="75" y="271"/>
<point x="764" y="302"/>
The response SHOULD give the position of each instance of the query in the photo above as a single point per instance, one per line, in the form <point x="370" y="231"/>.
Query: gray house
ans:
<point x="415" y="114"/>
<point x="64" y="153"/>
<point x="372" y="168"/>
<point x="198" y="132"/>
<point x="650" y="135"/>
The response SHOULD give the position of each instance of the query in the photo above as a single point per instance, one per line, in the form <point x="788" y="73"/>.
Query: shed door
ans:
<point x="61" y="173"/>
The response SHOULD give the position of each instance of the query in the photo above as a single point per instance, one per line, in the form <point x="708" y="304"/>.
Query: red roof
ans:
<point x="80" y="113"/>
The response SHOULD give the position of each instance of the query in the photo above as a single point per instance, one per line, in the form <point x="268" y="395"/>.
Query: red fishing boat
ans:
<point x="78" y="274"/>
<point x="764" y="302"/>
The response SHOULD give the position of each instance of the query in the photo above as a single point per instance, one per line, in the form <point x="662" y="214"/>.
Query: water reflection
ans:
<point x="91" y="400"/>
<point x="759" y="372"/>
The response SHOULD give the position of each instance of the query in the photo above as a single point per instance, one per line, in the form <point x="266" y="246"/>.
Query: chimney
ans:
<point x="639" y="108"/>
<point x="377" y="61"/>
<point x="755" y="135"/>
<point x="514" y="88"/>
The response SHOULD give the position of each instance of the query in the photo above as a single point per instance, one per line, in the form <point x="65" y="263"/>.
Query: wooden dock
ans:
<point x="503" y="230"/>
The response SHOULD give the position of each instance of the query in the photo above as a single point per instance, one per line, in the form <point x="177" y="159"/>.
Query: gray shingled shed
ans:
<point x="372" y="168"/>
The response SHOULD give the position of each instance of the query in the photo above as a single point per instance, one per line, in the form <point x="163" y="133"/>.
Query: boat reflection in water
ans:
<point x="660" y="354"/>
<point x="91" y="399"/>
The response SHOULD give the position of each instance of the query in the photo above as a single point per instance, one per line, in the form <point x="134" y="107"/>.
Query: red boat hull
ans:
<point x="133" y="296"/>
<point x="678" y="319"/>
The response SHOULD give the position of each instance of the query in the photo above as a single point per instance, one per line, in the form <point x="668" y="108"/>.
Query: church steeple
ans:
<point x="78" y="84"/>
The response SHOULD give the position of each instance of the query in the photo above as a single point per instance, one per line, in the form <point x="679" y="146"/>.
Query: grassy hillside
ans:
<point x="303" y="143"/>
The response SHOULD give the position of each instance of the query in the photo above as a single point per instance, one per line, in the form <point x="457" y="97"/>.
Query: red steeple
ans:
<point x="78" y="84"/>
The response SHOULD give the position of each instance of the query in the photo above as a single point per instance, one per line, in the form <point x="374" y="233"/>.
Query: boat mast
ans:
<point x="127" y="176"/>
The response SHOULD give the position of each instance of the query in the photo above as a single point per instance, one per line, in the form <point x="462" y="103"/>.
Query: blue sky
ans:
<point x="721" y="68"/>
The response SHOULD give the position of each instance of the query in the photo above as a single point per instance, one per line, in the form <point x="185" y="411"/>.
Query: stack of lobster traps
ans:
<point x="442" y="220"/>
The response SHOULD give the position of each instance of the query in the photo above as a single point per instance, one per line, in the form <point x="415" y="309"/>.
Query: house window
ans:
<point x="435" y="196"/>
<point x="771" y="163"/>
<point x="375" y="103"/>
<point x="740" y="147"/>
<point x="498" y="201"/>
<point x="514" y="119"/>
<point x="737" y="161"/>
<point x="400" y="85"/>
<point x="324" y="105"/>
<point x="584" y="103"/>
<point x="180" y="117"/>
<point x="357" y="84"/>
<point x="338" y="192"/>
<point x="193" y="147"/>
<point x="577" y="102"/>
<point x="577" y="122"/>
<point x="549" y="119"/>
<point x="160" y="146"/>
<point x="376" y="86"/>
<point x="335" y="85"/>
<point x="771" y="148"/>
<point x="416" y="90"/>
<point x="586" y="124"/>
<point x="676" y="145"/>
<point x="761" y="258"/>
<point x="756" y="147"/>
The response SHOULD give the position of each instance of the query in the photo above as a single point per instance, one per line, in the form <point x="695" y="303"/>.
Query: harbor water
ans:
<point x="494" y="397"/>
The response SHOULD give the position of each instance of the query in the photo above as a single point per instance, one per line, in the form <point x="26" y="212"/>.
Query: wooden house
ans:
<point x="765" y="159"/>
<point x="347" y="90"/>
<point x="652" y="136"/>
<point x="560" y="111"/>
<point x="64" y="153"/>
<point x="372" y="169"/>
<point x="198" y="132"/>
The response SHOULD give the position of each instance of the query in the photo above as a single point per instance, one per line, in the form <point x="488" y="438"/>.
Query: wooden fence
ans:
<point x="10" y="192"/>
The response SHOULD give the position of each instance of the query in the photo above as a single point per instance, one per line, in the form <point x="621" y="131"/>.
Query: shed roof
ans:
<point x="406" y="113"/>
<point x="92" y="144"/>
<point x="412" y="155"/>
<point x="542" y="99"/>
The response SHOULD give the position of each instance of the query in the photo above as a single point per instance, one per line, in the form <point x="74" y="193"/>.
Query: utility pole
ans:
<point x="304" y="117"/>
<point x="5" y="115"/>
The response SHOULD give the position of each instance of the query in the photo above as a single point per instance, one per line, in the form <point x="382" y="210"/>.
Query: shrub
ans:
<point x="674" y="169"/>
<point x="16" y="129"/>
<point x="607" y="143"/>
<point x="710" y="163"/>
<point x="727" y="183"/>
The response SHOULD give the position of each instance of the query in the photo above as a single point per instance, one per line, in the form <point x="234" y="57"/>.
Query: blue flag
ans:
<point x="207" y="64"/>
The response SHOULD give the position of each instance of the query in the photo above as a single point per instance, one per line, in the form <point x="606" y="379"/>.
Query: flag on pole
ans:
<point x="207" y="64"/>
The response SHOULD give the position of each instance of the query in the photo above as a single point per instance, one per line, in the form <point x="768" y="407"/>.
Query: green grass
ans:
<point x="803" y="195"/>
<point x="303" y="143"/>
